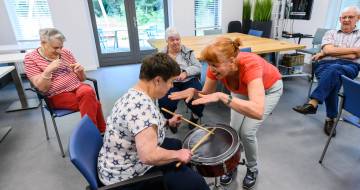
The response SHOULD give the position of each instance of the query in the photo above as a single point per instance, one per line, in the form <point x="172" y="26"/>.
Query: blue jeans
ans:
<point x="328" y="73"/>
<point x="175" y="178"/>
<point x="179" y="178"/>
<point x="171" y="105"/>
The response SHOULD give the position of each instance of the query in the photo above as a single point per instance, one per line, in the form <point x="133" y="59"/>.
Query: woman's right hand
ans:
<point x="53" y="66"/>
<point x="184" y="155"/>
<point x="187" y="94"/>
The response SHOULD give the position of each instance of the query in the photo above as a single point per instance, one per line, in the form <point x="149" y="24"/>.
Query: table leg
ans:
<point x="22" y="103"/>
<point x="3" y="132"/>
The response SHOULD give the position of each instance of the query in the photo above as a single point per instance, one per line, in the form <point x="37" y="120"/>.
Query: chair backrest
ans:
<point x="253" y="32"/>
<point x="245" y="49"/>
<point x="84" y="146"/>
<point x="212" y="32"/>
<point x="351" y="95"/>
<point x="234" y="26"/>
<point x="319" y="34"/>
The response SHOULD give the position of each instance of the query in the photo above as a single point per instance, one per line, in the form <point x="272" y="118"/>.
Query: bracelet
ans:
<point x="229" y="99"/>
<point x="44" y="77"/>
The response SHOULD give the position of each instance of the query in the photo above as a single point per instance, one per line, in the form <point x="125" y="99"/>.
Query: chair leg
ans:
<point x="44" y="119"/>
<point x="58" y="137"/>
<point x="330" y="137"/>
<point x="310" y="87"/>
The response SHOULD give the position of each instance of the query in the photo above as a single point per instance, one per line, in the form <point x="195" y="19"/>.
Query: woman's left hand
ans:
<point x="77" y="68"/>
<point x="175" y="120"/>
<point x="207" y="98"/>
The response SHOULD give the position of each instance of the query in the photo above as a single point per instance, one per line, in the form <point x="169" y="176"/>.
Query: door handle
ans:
<point x="135" y="22"/>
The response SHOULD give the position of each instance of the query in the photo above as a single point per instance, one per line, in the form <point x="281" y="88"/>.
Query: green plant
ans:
<point x="246" y="10"/>
<point x="263" y="9"/>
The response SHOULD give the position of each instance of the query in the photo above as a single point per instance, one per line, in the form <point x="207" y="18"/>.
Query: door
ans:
<point x="122" y="27"/>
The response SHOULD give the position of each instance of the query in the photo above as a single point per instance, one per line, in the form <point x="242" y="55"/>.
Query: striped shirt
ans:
<point x="343" y="40"/>
<point x="63" y="79"/>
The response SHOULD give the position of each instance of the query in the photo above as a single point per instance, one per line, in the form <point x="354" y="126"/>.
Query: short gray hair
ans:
<point x="171" y="32"/>
<point x="351" y="8"/>
<point x="48" y="34"/>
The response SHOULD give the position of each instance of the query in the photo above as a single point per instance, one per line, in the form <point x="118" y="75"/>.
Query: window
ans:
<point x="207" y="15"/>
<point x="27" y="17"/>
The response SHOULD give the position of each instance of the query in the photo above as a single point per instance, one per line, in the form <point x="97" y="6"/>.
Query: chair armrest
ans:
<point x="94" y="81"/>
<point x="147" y="177"/>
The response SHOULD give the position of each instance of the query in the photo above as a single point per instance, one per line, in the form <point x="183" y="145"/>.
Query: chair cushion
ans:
<point x="312" y="51"/>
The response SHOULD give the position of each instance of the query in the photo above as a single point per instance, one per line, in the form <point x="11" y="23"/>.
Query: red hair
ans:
<point x="221" y="48"/>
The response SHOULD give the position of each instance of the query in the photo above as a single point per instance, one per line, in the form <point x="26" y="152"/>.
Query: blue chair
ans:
<point x="351" y="103"/>
<point x="54" y="113"/>
<point x="245" y="49"/>
<point x="257" y="33"/>
<point x="84" y="146"/>
<point x="316" y="43"/>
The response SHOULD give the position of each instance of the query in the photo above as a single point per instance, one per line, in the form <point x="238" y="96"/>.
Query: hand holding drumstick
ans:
<point x="197" y="145"/>
<point x="192" y="123"/>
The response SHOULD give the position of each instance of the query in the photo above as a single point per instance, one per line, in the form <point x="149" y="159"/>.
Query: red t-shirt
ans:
<point x="251" y="66"/>
<point x="63" y="79"/>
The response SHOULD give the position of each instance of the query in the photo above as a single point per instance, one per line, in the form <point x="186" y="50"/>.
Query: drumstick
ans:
<point x="196" y="146"/>
<point x="192" y="123"/>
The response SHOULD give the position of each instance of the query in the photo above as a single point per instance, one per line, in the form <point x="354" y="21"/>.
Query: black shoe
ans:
<point x="194" y="120"/>
<point x="306" y="109"/>
<point x="328" y="126"/>
<point x="250" y="178"/>
<point x="226" y="179"/>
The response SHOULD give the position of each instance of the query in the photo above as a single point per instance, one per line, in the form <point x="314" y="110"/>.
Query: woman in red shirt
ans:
<point x="255" y="87"/>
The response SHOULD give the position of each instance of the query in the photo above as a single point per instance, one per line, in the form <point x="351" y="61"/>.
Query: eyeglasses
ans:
<point x="348" y="17"/>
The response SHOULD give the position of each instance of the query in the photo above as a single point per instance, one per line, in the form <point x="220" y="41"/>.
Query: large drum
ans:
<point x="219" y="154"/>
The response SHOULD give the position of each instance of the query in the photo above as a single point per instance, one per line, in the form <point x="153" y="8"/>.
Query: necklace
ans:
<point x="42" y="53"/>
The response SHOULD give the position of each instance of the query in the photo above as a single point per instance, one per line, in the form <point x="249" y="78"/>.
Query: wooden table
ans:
<point x="23" y="103"/>
<point x="258" y="45"/>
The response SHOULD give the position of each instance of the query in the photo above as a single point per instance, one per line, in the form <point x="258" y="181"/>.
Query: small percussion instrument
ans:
<point x="219" y="154"/>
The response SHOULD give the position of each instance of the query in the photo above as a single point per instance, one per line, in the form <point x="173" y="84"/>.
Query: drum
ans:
<point x="219" y="154"/>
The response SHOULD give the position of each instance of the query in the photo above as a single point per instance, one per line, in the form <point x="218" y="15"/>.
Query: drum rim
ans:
<point x="236" y="146"/>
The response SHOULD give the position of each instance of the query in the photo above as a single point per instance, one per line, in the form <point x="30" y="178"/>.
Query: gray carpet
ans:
<point x="290" y="144"/>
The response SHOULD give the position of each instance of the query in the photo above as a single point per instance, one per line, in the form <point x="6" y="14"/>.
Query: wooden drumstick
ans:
<point x="196" y="146"/>
<point x="192" y="123"/>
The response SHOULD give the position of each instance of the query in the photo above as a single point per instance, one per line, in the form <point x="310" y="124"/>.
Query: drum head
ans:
<point x="217" y="148"/>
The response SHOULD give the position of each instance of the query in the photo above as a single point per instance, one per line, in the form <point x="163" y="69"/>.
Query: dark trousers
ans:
<point x="171" y="105"/>
<point x="182" y="178"/>
<point x="328" y="73"/>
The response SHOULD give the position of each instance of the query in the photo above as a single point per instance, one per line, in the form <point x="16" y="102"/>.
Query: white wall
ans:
<point x="182" y="17"/>
<point x="7" y="34"/>
<point x="231" y="10"/>
<point x="317" y="20"/>
<point x="73" y="19"/>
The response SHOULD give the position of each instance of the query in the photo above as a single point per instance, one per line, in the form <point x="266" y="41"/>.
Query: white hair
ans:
<point x="351" y="8"/>
<point x="171" y="32"/>
<point x="48" y="34"/>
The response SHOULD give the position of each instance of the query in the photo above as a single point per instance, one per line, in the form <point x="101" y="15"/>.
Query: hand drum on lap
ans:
<point x="219" y="154"/>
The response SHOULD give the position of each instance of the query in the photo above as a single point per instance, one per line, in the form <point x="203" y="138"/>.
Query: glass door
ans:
<point x="122" y="28"/>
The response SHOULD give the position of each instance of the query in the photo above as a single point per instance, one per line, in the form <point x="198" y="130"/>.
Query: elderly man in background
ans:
<point x="54" y="70"/>
<point x="188" y="78"/>
<point x="340" y="55"/>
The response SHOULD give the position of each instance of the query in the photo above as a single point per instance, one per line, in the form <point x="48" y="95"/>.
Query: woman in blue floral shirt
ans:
<point x="134" y="141"/>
